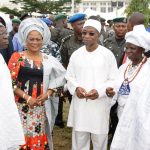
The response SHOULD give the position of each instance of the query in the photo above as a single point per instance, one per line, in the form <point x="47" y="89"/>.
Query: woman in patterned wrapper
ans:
<point x="36" y="77"/>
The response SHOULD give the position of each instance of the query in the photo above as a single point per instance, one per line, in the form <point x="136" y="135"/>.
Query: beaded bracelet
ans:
<point x="28" y="99"/>
<point x="48" y="95"/>
<point x="23" y="95"/>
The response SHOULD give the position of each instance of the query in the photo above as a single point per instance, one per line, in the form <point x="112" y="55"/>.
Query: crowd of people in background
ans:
<point x="102" y="70"/>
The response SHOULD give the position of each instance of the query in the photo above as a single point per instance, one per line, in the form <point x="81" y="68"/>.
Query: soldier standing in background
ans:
<point x="60" y="30"/>
<point x="109" y="29"/>
<point x="74" y="41"/>
<point x="15" y="26"/>
<point x="104" y="34"/>
<point x="116" y="44"/>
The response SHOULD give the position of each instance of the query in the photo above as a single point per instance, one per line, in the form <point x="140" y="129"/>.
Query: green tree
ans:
<point x="43" y="7"/>
<point x="139" y="6"/>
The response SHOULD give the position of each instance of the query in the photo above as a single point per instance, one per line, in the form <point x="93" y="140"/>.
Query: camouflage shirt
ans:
<point x="69" y="44"/>
<point x="117" y="47"/>
<point x="57" y="34"/>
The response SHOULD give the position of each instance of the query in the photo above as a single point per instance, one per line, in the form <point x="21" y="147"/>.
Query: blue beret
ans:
<point x="76" y="17"/>
<point x="47" y="21"/>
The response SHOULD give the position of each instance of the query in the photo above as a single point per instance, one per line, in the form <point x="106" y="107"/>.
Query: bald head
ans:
<point x="136" y="18"/>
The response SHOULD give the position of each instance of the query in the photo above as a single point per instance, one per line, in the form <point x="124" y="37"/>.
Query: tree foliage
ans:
<point x="43" y="7"/>
<point x="139" y="6"/>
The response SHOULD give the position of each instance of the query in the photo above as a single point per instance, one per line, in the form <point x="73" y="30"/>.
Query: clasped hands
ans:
<point x="82" y="93"/>
<point x="39" y="101"/>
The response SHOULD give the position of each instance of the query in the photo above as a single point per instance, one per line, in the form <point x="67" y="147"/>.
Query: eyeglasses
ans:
<point x="31" y="40"/>
<point x="89" y="33"/>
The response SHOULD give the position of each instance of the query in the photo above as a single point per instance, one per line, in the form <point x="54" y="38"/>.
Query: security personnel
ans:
<point x="15" y="25"/>
<point x="60" y="30"/>
<point x="57" y="34"/>
<point x="74" y="41"/>
<point x="104" y="34"/>
<point x="116" y="43"/>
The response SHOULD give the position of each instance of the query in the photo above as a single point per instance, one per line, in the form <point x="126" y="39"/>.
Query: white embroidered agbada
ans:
<point x="137" y="82"/>
<point x="11" y="132"/>
<point x="133" y="129"/>
<point x="91" y="70"/>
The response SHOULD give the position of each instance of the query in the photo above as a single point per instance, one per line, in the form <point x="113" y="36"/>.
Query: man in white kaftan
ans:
<point x="90" y="118"/>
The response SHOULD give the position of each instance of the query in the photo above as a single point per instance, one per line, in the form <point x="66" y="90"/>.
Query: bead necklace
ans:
<point x="131" y="72"/>
<point x="129" y="75"/>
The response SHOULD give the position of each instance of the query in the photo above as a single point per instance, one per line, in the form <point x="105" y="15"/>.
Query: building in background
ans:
<point x="100" y="6"/>
<point x="104" y="6"/>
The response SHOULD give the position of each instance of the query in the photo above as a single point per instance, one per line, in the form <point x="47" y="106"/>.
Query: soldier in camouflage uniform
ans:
<point x="60" y="30"/>
<point x="53" y="49"/>
<point x="74" y="41"/>
<point x="116" y="44"/>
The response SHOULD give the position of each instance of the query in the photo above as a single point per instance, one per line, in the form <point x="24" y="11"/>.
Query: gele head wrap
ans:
<point x="31" y="24"/>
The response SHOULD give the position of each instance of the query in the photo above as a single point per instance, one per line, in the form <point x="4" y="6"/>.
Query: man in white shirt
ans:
<point x="91" y="69"/>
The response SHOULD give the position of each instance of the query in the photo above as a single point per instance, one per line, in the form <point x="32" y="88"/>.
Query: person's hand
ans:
<point x="110" y="92"/>
<point x="81" y="92"/>
<point x="32" y="102"/>
<point x="93" y="94"/>
<point x="43" y="97"/>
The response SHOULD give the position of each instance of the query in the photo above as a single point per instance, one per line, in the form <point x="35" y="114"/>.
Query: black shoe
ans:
<point x="60" y="124"/>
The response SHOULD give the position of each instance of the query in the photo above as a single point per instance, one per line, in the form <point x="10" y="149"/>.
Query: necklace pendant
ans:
<point x="124" y="88"/>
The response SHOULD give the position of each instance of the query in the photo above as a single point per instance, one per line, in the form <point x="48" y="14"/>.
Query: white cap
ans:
<point x="139" y="37"/>
<point x="93" y="23"/>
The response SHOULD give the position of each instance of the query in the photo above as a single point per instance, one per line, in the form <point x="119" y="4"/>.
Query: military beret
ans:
<point x="102" y="19"/>
<point x="76" y="17"/>
<point x="16" y="21"/>
<point x="47" y="21"/>
<point x="60" y="16"/>
<point x="120" y="20"/>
